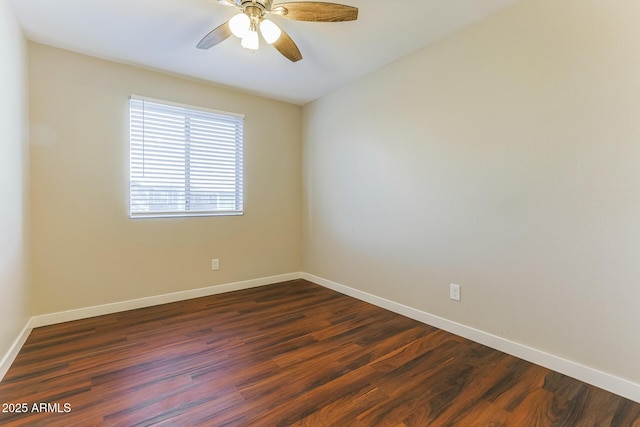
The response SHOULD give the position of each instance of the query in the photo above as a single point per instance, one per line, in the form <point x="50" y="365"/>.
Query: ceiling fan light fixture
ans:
<point x="245" y="25"/>
<point x="239" y="25"/>
<point x="270" y="31"/>
<point x="250" y="40"/>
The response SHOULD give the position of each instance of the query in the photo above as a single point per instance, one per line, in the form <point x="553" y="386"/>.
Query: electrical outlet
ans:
<point x="215" y="264"/>
<point x="454" y="292"/>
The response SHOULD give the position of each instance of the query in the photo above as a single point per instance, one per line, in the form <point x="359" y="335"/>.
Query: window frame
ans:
<point x="238" y="199"/>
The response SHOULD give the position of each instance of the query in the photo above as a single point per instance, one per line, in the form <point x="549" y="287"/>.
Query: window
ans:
<point x="184" y="161"/>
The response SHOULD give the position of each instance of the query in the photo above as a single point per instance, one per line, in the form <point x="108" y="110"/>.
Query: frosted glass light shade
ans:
<point x="250" y="40"/>
<point x="270" y="31"/>
<point x="239" y="25"/>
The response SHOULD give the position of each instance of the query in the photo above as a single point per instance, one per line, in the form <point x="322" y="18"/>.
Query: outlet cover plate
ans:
<point x="454" y="292"/>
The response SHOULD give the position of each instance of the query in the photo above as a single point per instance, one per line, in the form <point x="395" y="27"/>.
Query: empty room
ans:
<point x="346" y="213"/>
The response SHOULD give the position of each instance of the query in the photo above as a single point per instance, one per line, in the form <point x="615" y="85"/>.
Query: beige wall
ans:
<point x="13" y="180"/>
<point x="86" y="251"/>
<point x="506" y="159"/>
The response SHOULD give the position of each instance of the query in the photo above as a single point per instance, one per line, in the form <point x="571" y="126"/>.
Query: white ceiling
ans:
<point x="162" y="35"/>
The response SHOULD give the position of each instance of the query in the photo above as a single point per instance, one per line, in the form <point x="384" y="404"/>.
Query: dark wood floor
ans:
<point x="288" y="354"/>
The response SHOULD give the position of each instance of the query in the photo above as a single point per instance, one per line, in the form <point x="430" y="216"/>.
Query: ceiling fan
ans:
<point x="245" y="24"/>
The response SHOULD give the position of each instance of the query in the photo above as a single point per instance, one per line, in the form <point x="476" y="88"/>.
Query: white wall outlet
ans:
<point x="454" y="292"/>
<point x="215" y="264"/>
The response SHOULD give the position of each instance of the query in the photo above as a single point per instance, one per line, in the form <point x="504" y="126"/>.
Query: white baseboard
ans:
<point x="575" y="370"/>
<point x="10" y="356"/>
<point x="116" y="307"/>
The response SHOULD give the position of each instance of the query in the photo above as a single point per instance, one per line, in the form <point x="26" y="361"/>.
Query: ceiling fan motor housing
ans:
<point x="262" y="4"/>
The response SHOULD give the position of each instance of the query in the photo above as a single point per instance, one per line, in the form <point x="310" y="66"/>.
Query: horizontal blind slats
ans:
<point x="184" y="161"/>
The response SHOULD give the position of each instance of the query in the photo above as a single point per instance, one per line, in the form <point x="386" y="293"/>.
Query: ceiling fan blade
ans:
<point x="216" y="36"/>
<point x="287" y="47"/>
<point x="316" y="11"/>
<point x="229" y="3"/>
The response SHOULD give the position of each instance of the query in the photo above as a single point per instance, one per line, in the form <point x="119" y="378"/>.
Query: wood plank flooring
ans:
<point x="291" y="354"/>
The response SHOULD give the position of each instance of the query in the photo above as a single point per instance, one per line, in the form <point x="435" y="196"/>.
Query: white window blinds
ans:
<point x="184" y="161"/>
